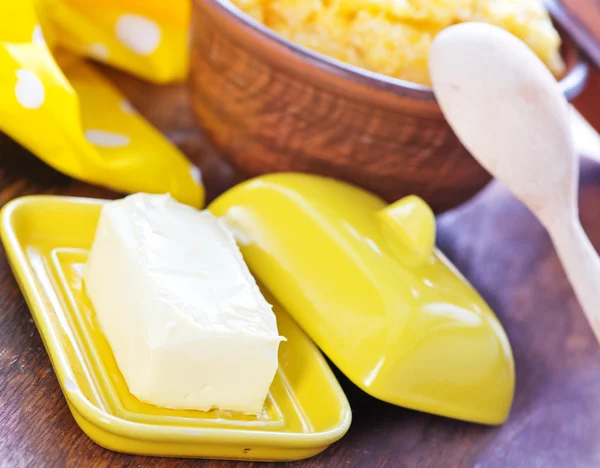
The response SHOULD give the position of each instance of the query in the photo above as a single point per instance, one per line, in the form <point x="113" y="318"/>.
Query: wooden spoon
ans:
<point x="506" y="108"/>
<point x="587" y="139"/>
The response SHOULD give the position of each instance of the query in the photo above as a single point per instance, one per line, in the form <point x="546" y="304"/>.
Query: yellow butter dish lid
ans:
<point x="305" y="410"/>
<point x="366" y="283"/>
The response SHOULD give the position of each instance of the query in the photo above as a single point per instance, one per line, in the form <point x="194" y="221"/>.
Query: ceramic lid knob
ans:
<point x="409" y="225"/>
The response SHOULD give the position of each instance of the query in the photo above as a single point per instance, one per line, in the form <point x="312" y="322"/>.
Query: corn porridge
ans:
<point x="393" y="37"/>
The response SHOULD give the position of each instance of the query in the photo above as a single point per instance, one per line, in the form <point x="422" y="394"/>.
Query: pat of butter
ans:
<point x="187" y="324"/>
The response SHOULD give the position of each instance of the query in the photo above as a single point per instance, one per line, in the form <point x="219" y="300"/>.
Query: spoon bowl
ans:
<point x="522" y="123"/>
<point x="508" y="111"/>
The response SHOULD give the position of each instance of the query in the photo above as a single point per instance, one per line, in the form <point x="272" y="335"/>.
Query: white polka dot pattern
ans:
<point x="98" y="50"/>
<point x="139" y="34"/>
<point x="29" y="89"/>
<point x="196" y="174"/>
<point x="127" y="107"/>
<point x="105" y="139"/>
<point x="37" y="37"/>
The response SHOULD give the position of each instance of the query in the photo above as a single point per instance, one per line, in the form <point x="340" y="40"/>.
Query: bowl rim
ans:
<point x="571" y="84"/>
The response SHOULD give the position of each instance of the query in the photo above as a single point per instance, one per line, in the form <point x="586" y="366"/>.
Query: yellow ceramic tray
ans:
<point x="47" y="240"/>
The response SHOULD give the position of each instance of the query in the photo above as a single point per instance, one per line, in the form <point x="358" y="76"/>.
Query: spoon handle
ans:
<point x="582" y="266"/>
<point x="587" y="139"/>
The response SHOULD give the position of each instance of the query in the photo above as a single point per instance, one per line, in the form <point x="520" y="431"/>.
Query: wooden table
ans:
<point x="494" y="240"/>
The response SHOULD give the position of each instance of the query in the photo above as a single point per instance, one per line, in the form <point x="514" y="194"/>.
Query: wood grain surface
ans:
<point x="586" y="11"/>
<point x="494" y="240"/>
<point x="581" y="19"/>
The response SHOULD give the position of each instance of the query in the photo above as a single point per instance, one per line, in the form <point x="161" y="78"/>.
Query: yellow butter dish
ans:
<point x="47" y="240"/>
<point x="365" y="282"/>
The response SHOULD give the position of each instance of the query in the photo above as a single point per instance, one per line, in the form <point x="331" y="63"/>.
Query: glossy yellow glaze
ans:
<point x="305" y="410"/>
<point x="367" y="285"/>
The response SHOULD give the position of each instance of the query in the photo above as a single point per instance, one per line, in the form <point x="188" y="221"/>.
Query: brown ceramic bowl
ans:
<point x="269" y="105"/>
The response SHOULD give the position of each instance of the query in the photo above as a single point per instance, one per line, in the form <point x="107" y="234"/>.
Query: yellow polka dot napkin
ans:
<point x="56" y="105"/>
